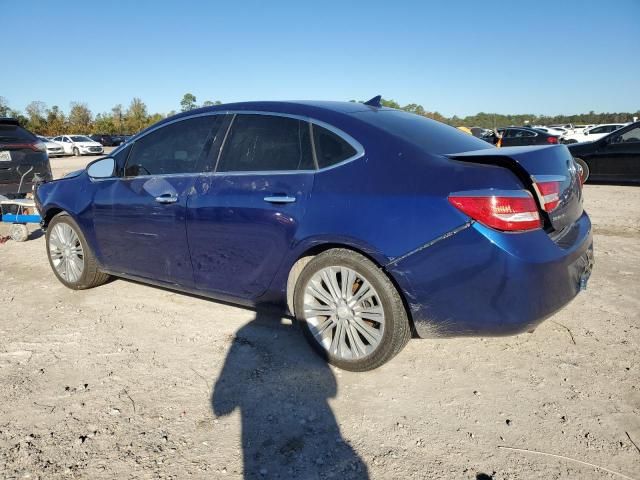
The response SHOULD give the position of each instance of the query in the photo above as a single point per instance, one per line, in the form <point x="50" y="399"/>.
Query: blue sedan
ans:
<point x="368" y="224"/>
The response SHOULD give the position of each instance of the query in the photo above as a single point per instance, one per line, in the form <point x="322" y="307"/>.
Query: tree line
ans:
<point x="41" y="119"/>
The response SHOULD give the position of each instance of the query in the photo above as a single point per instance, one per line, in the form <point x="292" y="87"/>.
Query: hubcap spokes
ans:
<point x="344" y="313"/>
<point x="66" y="252"/>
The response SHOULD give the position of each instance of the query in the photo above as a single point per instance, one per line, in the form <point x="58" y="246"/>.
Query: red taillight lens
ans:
<point x="503" y="212"/>
<point x="550" y="194"/>
<point x="35" y="146"/>
<point x="552" y="139"/>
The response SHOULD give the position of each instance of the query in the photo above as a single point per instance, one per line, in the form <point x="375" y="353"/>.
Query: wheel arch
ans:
<point x="305" y="257"/>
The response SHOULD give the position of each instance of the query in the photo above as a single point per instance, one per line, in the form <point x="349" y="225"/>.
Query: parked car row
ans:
<point x="81" y="144"/>
<point x="609" y="152"/>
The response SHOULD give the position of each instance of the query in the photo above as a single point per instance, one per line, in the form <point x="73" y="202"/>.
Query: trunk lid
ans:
<point x="537" y="168"/>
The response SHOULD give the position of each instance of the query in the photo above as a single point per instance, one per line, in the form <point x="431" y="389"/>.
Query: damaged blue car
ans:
<point x="368" y="224"/>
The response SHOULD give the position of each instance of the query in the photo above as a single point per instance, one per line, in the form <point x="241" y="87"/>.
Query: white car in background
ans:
<point x="593" y="133"/>
<point x="54" y="149"/>
<point x="79" y="145"/>
<point x="557" y="131"/>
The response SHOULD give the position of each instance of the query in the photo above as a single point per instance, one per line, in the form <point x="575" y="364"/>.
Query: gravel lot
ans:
<point x="131" y="381"/>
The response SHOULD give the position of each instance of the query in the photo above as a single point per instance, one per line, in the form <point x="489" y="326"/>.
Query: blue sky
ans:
<point x="456" y="57"/>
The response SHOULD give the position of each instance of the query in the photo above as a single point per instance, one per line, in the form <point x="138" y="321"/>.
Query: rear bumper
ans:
<point x="484" y="282"/>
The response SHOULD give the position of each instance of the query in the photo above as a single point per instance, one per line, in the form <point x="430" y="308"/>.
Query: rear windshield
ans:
<point x="429" y="135"/>
<point x="13" y="133"/>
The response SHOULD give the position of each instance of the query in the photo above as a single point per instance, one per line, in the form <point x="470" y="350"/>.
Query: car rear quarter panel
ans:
<point x="387" y="203"/>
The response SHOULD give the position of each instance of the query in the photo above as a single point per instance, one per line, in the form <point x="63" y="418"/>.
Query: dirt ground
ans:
<point x="131" y="381"/>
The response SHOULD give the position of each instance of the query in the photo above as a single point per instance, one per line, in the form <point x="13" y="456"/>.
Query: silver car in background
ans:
<point x="54" y="149"/>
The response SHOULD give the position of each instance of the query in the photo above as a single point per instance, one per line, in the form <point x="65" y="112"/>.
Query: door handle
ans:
<point x="280" y="199"/>
<point x="167" y="198"/>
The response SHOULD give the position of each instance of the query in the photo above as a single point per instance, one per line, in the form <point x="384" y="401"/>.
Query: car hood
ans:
<point x="88" y="144"/>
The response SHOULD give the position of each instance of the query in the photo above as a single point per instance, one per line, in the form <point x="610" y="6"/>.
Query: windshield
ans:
<point x="80" y="138"/>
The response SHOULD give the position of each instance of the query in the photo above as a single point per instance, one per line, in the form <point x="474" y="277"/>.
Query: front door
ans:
<point x="243" y="219"/>
<point x="140" y="217"/>
<point x="619" y="156"/>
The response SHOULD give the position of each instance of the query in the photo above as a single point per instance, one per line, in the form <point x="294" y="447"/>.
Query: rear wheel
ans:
<point x="69" y="255"/>
<point x="585" y="169"/>
<point x="350" y="311"/>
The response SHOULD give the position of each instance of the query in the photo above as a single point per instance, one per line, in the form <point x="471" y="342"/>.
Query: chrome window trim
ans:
<point x="357" y="146"/>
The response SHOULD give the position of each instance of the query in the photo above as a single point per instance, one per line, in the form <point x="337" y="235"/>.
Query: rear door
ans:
<point x="140" y="216"/>
<point x="619" y="156"/>
<point x="243" y="219"/>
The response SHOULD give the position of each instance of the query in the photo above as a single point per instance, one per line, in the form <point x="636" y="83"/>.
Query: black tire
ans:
<point x="91" y="275"/>
<point x="585" y="169"/>
<point x="397" y="331"/>
<point x="76" y="152"/>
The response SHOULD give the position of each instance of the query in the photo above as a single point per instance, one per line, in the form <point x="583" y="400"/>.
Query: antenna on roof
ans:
<point x="374" y="102"/>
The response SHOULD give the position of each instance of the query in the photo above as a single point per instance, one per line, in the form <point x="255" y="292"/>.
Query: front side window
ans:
<point x="630" y="136"/>
<point x="598" y="130"/>
<point x="180" y="147"/>
<point x="257" y="143"/>
<point x="330" y="148"/>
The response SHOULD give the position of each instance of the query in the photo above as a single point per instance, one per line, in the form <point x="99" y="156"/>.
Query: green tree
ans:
<point x="188" y="102"/>
<point x="118" y="117"/>
<point x="136" y="117"/>
<point x="36" y="112"/>
<point x="80" y="118"/>
<point x="104" y="123"/>
<point x="4" y="107"/>
<point x="56" y="121"/>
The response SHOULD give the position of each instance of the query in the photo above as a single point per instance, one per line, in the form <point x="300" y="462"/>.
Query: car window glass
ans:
<point x="12" y="133"/>
<point x="630" y="136"/>
<point x="266" y="143"/>
<point x="330" y="148"/>
<point x="597" y="130"/>
<point x="176" y="148"/>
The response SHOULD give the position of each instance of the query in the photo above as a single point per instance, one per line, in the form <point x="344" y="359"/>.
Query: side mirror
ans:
<point x="102" y="168"/>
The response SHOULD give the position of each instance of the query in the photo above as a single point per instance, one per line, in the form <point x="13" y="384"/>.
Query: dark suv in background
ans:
<point x="105" y="140"/>
<point x="21" y="152"/>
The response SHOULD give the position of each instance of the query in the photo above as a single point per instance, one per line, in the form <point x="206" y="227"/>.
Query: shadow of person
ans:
<point x="282" y="389"/>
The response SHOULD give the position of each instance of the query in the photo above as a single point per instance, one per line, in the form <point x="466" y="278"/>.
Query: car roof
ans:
<point x="9" y="121"/>
<point x="322" y="110"/>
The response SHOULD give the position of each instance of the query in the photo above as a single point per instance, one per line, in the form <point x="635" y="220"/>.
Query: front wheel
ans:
<point x="69" y="255"/>
<point x="76" y="152"/>
<point x="350" y="311"/>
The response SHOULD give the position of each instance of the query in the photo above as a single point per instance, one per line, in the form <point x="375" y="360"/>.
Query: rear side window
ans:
<point x="266" y="143"/>
<point x="177" y="148"/>
<point x="330" y="148"/>
<point x="14" y="133"/>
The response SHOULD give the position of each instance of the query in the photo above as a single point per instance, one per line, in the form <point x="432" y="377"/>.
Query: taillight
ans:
<point x="549" y="194"/>
<point x="35" y="146"/>
<point x="511" y="211"/>
<point x="40" y="147"/>
<point x="552" y="139"/>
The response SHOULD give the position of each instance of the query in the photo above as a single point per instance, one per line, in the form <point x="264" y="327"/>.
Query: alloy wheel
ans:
<point x="344" y="313"/>
<point x="65" y="250"/>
